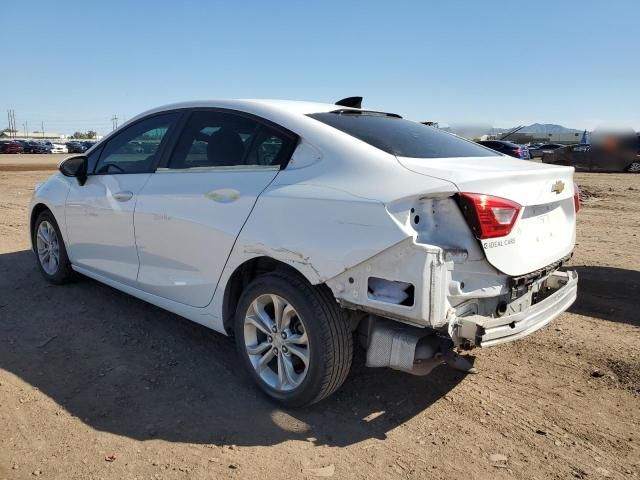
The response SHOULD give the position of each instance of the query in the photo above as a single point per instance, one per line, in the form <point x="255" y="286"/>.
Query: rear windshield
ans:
<point x="401" y="137"/>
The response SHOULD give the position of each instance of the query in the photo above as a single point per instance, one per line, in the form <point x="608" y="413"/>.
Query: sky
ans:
<point x="74" y="65"/>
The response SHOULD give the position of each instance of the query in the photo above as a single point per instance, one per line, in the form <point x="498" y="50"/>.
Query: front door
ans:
<point x="99" y="214"/>
<point x="190" y="212"/>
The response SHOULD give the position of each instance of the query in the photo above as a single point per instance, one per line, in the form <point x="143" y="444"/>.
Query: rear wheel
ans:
<point x="292" y="338"/>
<point x="634" y="167"/>
<point x="50" y="250"/>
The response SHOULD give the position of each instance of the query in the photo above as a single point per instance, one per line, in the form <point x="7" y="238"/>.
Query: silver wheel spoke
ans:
<point x="301" y="353"/>
<point x="258" y="349"/>
<point x="260" y="319"/>
<point x="278" y="308"/>
<point x="288" y="372"/>
<point x="288" y="313"/>
<point x="300" y="339"/>
<point x="282" y="374"/>
<point x="264" y="361"/>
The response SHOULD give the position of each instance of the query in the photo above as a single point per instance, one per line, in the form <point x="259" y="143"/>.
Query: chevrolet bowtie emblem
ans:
<point x="558" y="187"/>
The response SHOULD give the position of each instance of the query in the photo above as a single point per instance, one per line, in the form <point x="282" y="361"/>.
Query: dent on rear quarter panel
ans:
<point x="319" y="231"/>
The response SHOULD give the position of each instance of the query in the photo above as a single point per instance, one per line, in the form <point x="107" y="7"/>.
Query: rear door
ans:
<point x="191" y="210"/>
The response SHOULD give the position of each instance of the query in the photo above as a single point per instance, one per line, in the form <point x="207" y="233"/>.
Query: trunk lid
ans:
<point x="545" y="230"/>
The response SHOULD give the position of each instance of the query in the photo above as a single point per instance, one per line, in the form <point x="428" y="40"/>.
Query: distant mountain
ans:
<point x="548" y="128"/>
<point x="536" y="128"/>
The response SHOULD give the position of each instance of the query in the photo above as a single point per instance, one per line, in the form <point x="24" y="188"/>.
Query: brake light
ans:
<point x="488" y="216"/>
<point x="576" y="197"/>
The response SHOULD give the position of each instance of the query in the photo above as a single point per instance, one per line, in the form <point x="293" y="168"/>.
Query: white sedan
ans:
<point x="299" y="227"/>
<point x="57" y="147"/>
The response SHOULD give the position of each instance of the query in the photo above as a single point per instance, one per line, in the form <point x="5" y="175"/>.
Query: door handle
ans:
<point x="123" y="196"/>
<point x="224" y="195"/>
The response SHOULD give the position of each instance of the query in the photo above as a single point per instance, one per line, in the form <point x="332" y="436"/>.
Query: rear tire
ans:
<point x="293" y="338"/>
<point x="51" y="254"/>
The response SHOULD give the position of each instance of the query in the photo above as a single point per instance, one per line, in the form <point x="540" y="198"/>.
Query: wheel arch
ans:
<point x="37" y="209"/>
<point x="242" y="276"/>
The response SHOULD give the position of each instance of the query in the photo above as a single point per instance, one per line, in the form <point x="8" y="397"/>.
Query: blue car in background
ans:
<point x="508" y="148"/>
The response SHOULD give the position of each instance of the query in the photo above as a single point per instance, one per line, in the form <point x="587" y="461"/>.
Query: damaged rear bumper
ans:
<point x="481" y="331"/>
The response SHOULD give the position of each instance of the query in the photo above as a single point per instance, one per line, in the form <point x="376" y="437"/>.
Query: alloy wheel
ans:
<point x="276" y="342"/>
<point x="48" y="247"/>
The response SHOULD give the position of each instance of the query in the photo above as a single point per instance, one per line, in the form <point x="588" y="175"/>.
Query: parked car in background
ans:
<point x="25" y="145"/>
<point x="285" y="231"/>
<point x="594" y="158"/>
<point x="540" y="148"/>
<point x="11" y="146"/>
<point x="507" y="148"/>
<point x="57" y="147"/>
<point x="39" y="147"/>
<point x="76" y="147"/>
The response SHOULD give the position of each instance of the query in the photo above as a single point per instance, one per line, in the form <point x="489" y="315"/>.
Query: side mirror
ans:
<point x="75" y="167"/>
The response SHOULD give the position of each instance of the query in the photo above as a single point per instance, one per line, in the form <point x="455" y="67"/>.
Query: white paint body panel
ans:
<point x="100" y="230"/>
<point x="186" y="224"/>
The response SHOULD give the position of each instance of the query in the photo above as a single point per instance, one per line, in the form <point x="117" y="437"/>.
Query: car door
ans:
<point x="99" y="214"/>
<point x="192" y="209"/>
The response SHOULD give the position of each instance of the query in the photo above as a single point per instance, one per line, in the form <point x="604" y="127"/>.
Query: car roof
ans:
<point x="260" y="107"/>
<point x="289" y="106"/>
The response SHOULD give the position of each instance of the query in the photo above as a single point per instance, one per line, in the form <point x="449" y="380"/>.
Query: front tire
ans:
<point x="293" y="338"/>
<point x="50" y="251"/>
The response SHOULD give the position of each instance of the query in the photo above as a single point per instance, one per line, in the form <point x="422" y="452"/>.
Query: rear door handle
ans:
<point x="123" y="196"/>
<point x="224" y="195"/>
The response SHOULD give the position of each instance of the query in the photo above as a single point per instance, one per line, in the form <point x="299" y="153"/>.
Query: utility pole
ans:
<point x="114" y="121"/>
<point x="11" y="118"/>
<point x="42" y="128"/>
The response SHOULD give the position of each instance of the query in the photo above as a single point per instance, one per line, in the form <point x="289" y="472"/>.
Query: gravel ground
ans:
<point x="96" y="384"/>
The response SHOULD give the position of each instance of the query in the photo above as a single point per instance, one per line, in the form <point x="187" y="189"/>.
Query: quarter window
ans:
<point x="134" y="150"/>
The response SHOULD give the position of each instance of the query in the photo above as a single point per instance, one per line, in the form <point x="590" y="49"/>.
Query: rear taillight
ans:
<point x="489" y="217"/>
<point x="576" y="197"/>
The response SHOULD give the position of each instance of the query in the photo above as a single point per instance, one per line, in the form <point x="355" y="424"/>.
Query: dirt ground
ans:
<point x="96" y="384"/>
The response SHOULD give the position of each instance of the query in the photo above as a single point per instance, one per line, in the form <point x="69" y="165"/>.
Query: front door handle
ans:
<point x="123" y="196"/>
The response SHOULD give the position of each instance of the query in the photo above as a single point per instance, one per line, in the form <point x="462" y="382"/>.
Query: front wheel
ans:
<point x="50" y="250"/>
<point x="292" y="338"/>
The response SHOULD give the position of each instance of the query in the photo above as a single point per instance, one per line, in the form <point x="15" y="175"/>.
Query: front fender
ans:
<point x="51" y="194"/>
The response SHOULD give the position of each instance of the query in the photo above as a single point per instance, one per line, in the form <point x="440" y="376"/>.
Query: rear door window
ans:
<point x="222" y="139"/>
<point x="401" y="137"/>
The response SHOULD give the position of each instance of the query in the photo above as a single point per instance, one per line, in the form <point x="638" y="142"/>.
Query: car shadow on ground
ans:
<point x="126" y="367"/>
<point x="608" y="293"/>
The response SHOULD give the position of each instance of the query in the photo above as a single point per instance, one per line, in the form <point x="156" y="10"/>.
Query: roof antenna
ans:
<point x="352" y="102"/>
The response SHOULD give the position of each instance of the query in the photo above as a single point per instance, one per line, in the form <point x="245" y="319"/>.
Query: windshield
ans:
<point x="401" y="137"/>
